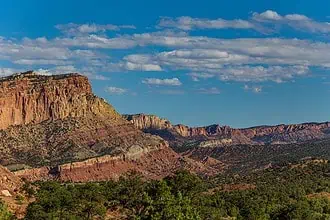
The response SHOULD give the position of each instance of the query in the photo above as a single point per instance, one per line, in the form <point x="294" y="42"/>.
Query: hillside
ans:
<point x="48" y="121"/>
<point x="217" y="135"/>
<point x="241" y="150"/>
<point x="295" y="191"/>
<point x="10" y="191"/>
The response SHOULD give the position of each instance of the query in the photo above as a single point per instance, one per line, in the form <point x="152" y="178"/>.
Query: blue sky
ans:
<point x="238" y="63"/>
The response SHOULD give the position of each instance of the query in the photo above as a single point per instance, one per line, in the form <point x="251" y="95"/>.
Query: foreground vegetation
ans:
<point x="292" y="192"/>
<point x="4" y="213"/>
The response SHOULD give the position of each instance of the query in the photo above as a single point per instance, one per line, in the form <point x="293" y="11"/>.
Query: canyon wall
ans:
<point x="255" y="135"/>
<point x="31" y="98"/>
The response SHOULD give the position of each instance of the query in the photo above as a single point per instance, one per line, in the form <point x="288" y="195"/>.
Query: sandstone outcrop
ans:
<point x="30" y="98"/>
<point x="152" y="165"/>
<point x="49" y="120"/>
<point x="54" y="127"/>
<point x="278" y="134"/>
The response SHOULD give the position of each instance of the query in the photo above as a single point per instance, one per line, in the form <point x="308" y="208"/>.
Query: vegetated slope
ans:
<point x="53" y="120"/>
<point x="11" y="192"/>
<point x="216" y="135"/>
<point x="241" y="150"/>
<point x="297" y="191"/>
<point x="244" y="158"/>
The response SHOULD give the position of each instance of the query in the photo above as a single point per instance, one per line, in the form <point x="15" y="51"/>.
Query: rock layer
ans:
<point x="30" y="98"/>
<point x="179" y="134"/>
<point x="152" y="165"/>
<point x="55" y="127"/>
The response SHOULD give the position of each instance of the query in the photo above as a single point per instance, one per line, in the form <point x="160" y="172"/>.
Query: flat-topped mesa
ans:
<point x="31" y="98"/>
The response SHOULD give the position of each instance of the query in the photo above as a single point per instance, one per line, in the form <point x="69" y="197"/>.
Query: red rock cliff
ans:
<point x="29" y="98"/>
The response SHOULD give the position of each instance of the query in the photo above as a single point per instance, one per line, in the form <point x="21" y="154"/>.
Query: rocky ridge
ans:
<point x="278" y="134"/>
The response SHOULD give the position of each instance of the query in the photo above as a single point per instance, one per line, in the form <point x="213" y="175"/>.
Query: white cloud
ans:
<point x="243" y="59"/>
<point x="77" y="29"/>
<point x="261" y="74"/>
<point x="189" y="23"/>
<point x="162" y="82"/>
<point x="230" y="68"/>
<point x="115" y="90"/>
<point x="42" y="62"/>
<point x="212" y="90"/>
<point x="296" y="21"/>
<point x="197" y="76"/>
<point x="142" y="67"/>
<point x="8" y="71"/>
<point x="267" y="15"/>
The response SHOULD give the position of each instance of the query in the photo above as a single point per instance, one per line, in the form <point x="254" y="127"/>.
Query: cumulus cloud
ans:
<point x="162" y="82"/>
<point x="230" y="68"/>
<point x="202" y="57"/>
<point x="296" y="21"/>
<point x="256" y="22"/>
<point x="78" y="29"/>
<point x="115" y="90"/>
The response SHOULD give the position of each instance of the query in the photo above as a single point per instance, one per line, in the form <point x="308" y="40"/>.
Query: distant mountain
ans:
<point x="56" y="125"/>
<point x="216" y="135"/>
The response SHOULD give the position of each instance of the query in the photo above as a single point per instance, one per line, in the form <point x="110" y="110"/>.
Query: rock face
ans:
<point x="279" y="134"/>
<point x="153" y="165"/>
<point x="30" y="98"/>
<point x="142" y="121"/>
<point x="55" y="127"/>
<point x="50" y="120"/>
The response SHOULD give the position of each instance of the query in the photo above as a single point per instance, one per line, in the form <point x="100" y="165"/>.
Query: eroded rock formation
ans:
<point x="178" y="134"/>
<point x="31" y="98"/>
<point x="55" y="127"/>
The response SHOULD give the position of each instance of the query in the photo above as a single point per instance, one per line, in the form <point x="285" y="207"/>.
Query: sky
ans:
<point x="238" y="63"/>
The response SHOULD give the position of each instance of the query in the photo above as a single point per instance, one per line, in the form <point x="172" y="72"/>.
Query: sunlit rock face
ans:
<point x="278" y="134"/>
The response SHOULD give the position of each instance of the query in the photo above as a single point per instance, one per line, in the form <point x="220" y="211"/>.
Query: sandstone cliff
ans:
<point x="30" y="98"/>
<point x="56" y="119"/>
<point x="180" y="134"/>
<point x="55" y="127"/>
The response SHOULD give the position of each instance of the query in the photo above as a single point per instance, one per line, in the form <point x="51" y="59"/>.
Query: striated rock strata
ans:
<point x="152" y="165"/>
<point x="181" y="134"/>
<point x="54" y="127"/>
<point x="30" y="98"/>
